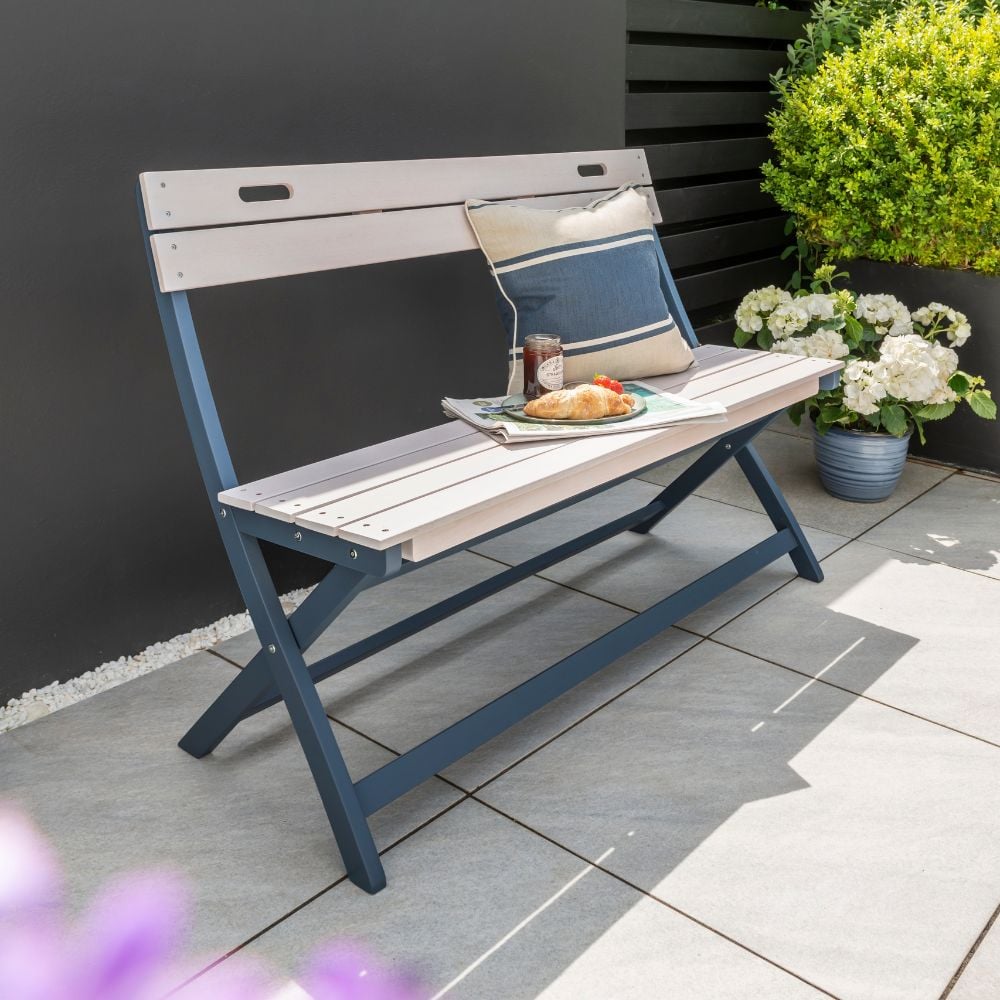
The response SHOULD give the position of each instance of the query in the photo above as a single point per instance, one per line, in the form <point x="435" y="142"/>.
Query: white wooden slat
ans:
<point x="403" y="524"/>
<point x="720" y="359"/>
<point x="402" y="488"/>
<point x="178" y="199"/>
<point x="310" y="496"/>
<point x="247" y="495"/>
<point x="329" y="520"/>
<point x="326" y="506"/>
<point x="312" y="485"/>
<point x="423" y="485"/>
<point x="333" y="492"/>
<point x="199" y="258"/>
<point x="460" y="529"/>
<point x="429" y="540"/>
<point x="724" y="377"/>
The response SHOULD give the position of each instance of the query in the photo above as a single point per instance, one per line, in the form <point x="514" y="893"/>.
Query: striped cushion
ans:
<point x="590" y="275"/>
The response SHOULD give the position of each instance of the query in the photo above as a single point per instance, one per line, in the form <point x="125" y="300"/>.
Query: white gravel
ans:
<point x="39" y="702"/>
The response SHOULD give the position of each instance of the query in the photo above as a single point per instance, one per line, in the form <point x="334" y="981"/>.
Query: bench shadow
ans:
<point x="713" y="757"/>
<point x="720" y="735"/>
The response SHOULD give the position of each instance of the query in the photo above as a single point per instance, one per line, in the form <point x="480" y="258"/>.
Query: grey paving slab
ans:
<point x="479" y="907"/>
<point x="956" y="523"/>
<point x="846" y="841"/>
<point x="411" y="691"/>
<point x="790" y="459"/>
<point x="915" y="634"/>
<point x="638" y="570"/>
<point x="490" y="759"/>
<point x="980" y="980"/>
<point x="105" y="780"/>
<point x="784" y="425"/>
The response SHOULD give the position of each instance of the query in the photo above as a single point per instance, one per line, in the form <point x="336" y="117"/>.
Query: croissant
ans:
<point x="584" y="402"/>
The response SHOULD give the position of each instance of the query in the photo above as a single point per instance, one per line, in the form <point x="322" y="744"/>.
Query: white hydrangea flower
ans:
<point x="942" y="394"/>
<point x="770" y="297"/>
<point x="959" y="329"/>
<point x="917" y="371"/>
<point x="960" y="333"/>
<point x="864" y="386"/>
<point x="757" y="304"/>
<point x="945" y="358"/>
<point x="787" y="319"/>
<point x="790" y="345"/>
<point x="747" y="319"/>
<point x="885" y="313"/>
<point x="825" y="344"/>
<point x="819" y="305"/>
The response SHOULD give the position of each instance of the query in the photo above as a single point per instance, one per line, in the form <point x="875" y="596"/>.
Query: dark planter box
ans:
<point x="963" y="439"/>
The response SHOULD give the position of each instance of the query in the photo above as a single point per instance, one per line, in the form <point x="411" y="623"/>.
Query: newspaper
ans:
<point x="662" y="409"/>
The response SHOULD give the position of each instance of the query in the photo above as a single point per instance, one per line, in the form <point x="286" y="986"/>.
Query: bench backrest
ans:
<point x="243" y="224"/>
<point x="220" y="227"/>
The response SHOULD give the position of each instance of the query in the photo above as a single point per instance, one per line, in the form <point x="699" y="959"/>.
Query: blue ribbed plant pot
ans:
<point x="859" y="466"/>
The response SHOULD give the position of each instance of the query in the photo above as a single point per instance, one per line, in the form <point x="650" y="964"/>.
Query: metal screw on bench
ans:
<point x="222" y="512"/>
<point x="297" y="536"/>
<point x="272" y="648"/>
<point x="353" y="553"/>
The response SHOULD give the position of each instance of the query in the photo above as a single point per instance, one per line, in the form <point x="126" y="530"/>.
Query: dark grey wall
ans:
<point x="108" y="543"/>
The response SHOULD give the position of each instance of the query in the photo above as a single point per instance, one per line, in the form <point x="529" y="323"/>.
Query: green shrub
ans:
<point x="892" y="150"/>
<point x="835" y="25"/>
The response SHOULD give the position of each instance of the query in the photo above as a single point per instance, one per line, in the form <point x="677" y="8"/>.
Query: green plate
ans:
<point x="513" y="406"/>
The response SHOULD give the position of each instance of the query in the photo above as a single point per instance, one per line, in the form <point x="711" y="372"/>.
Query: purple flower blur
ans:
<point x="348" y="972"/>
<point x="127" y="944"/>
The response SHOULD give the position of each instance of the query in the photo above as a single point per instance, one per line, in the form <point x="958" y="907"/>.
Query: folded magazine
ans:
<point x="662" y="409"/>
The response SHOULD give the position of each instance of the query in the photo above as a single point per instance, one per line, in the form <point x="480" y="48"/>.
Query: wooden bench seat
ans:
<point x="389" y="508"/>
<point x="440" y="488"/>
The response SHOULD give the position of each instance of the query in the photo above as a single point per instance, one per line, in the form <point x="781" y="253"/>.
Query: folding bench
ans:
<point x="385" y="510"/>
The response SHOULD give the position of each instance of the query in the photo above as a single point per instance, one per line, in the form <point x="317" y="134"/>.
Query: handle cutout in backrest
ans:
<point x="592" y="170"/>
<point x="266" y="192"/>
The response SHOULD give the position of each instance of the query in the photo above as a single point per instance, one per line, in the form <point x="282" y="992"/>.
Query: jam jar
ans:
<point x="543" y="364"/>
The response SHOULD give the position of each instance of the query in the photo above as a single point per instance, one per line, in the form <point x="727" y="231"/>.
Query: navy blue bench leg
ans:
<point x="280" y="666"/>
<point x="221" y="717"/>
<point x="704" y="468"/>
<point x="290" y="676"/>
<point x="254" y="686"/>
<point x="774" y="503"/>
<point x="739" y="445"/>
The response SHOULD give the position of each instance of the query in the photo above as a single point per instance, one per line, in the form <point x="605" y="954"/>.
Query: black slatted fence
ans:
<point x="697" y="99"/>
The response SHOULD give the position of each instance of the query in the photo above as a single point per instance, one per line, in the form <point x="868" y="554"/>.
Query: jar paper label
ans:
<point x="550" y="373"/>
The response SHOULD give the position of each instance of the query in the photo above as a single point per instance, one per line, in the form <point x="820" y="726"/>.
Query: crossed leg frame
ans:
<point x="279" y="671"/>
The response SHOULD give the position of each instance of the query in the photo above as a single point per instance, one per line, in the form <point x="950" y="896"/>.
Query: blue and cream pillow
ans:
<point x="590" y="275"/>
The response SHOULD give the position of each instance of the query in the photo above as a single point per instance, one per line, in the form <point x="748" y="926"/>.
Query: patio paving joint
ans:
<point x="653" y="897"/>
<point x="224" y="658"/>
<point x="317" y="895"/>
<point x="258" y="934"/>
<point x="970" y="955"/>
<point x="583" y="718"/>
<point x="622" y="607"/>
<point x="856" y="694"/>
